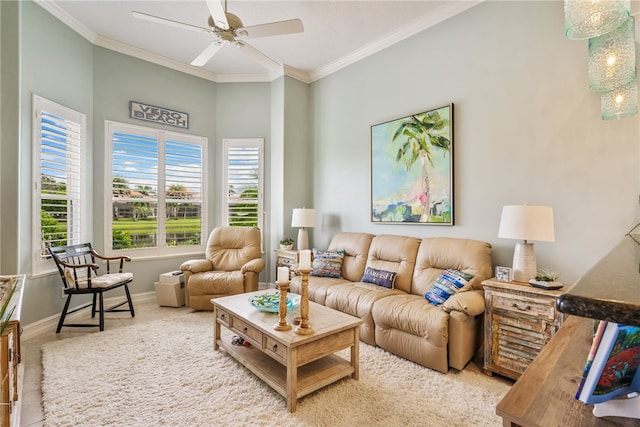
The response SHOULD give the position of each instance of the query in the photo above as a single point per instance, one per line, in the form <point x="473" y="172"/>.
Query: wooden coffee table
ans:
<point x="293" y="365"/>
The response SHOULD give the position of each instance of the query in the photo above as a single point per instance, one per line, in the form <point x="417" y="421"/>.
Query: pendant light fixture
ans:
<point x="584" y="19"/>
<point x="621" y="102"/>
<point x="612" y="58"/>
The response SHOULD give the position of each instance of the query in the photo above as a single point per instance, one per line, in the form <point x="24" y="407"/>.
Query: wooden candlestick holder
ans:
<point x="282" y="324"/>
<point x="304" y="328"/>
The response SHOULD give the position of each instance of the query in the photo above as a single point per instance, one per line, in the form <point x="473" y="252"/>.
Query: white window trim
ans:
<point x="41" y="266"/>
<point x="157" y="252"/>
<point x="243" y="142"/>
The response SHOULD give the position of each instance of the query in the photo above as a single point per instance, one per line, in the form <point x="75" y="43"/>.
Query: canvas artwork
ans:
<point x="412" y="169"/>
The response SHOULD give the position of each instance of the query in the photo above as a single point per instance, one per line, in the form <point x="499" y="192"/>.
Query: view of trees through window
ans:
<point x="59" y="196"/>
<point x="243" y="178"/>
<point x="142" y="162"/>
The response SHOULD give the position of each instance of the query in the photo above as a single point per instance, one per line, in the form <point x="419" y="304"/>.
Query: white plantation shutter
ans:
<point x="60" y="195"/>
<point x="156" y="190"/>
<point x="243" y="178"/>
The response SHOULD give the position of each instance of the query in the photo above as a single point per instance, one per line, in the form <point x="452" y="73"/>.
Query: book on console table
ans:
<point x="611" y="370"/>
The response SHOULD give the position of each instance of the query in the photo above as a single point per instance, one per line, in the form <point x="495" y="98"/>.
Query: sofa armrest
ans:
<point x="255" y="265"/>
<point x="197" y="265"/>
<point x="470" y="303"/>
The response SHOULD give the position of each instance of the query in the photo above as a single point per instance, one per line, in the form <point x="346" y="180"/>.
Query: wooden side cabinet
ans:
<point x="286" y="258"/>
<point x="519" y="321"/>
<point x="11" y="368"/>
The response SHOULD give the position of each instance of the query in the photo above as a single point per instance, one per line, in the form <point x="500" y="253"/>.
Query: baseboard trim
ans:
<point x="50" y="323"/>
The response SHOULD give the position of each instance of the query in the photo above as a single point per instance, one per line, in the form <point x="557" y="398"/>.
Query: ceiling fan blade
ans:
<point x="216" y="9"/>
<point x="271" y="29"/>
<point x="206" y="54"/>
<point x="166" y="21"/>
<point x="258" y="56"/>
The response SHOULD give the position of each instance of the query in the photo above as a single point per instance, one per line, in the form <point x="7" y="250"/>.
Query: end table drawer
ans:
<point x="544" y="308"/>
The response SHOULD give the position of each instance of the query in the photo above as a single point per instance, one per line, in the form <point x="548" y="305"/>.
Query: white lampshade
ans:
<point x="303" y="218"/>
<point x="524" y="222"/>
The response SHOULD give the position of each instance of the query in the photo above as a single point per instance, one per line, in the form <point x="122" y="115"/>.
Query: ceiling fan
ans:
<point x="229" y="30"/>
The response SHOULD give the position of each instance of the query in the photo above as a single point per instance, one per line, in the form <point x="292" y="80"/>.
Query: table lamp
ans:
<point x="524" y="222"/>
<point x="303" y="218"/>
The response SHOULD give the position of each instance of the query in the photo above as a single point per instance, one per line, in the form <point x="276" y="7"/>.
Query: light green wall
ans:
<point x="55" y="63"/>
<point x="120" y="79"/>
<point x="527" y="130"/>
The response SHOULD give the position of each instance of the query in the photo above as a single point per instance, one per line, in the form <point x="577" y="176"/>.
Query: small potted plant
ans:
<point x="286" y="244"/>
<point x="546" y="279"/>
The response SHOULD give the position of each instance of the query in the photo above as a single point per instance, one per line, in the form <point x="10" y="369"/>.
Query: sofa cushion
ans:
<point x="437" y="254"/>
<point x="394" y="253"/>
<point x="317" y="288"/>
<point x="386" y="279"/>
<point x="357" y="299"/>
<point x="356" y="247"/>
<point x="449" y="283"/>
<point x="327" y="263"/>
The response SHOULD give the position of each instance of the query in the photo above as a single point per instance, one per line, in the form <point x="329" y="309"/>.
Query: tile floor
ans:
<point x="31" y="412"/>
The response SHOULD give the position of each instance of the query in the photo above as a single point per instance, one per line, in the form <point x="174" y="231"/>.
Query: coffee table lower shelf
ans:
<point x="310" y="377"/>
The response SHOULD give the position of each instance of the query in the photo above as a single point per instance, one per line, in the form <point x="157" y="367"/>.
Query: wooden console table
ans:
<point x="545" y="394"/>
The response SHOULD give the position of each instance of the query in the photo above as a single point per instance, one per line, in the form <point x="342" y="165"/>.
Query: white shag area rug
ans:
<point x="165" y="372"/>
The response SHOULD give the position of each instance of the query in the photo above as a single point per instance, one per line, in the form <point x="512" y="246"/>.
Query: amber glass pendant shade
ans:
<point x="612" y="58"/>
<point x="585" y="19"/>
<point x="621" y="102"/>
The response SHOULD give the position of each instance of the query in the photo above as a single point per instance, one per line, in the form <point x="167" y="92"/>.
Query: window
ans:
<point x="157" y="196"/>
<point x="243" y="182"/>
<point x="60" y="196"/>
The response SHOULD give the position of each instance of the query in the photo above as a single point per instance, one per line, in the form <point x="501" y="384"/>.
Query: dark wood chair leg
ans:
<point x="101" y="311"/>
<point x="93" y="306"/>
<point x="63" y="314"/>
<point x="126" y="289"/>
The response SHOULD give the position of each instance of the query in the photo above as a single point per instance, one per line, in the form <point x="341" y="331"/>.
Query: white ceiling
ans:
<point x="336" y="33"/>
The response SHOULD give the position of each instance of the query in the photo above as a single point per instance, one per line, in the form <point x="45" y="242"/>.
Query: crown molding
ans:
<point x="52" y="7"/>
<point x="154" y="58"/>
<point x="412" y="28"/>
<point x="451" y="9"/>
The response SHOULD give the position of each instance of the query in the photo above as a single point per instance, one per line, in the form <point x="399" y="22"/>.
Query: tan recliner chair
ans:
<point x="232" y="266"/>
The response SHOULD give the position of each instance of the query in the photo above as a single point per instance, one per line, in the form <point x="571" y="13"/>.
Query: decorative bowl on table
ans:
<point x="270" y="301"/>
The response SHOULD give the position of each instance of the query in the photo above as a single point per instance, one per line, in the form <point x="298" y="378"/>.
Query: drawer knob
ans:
<point x="523" y="308"/>
<point x="275" y="348"/>
<point x="245" y="330"/>
<point x="222" y="317"/>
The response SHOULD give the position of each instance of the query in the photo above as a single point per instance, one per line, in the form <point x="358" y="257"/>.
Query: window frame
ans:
<point x="42" y="264"/>
<point x="243" y="142"/>
<point x="161" y="250"/>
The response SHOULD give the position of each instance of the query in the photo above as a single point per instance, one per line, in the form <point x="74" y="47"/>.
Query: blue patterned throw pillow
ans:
<point x="386" y="279"/>
<point x="449" y="283"/>
<point x="327" y="263"/>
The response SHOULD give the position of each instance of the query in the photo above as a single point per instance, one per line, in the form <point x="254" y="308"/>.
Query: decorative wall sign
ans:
<point x="412" y="169"/>
<point x="151" y="113"/>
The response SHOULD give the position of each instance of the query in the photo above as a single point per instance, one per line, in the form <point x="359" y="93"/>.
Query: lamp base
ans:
<point x="303" y="239"/>
<point x="524" y="262"/>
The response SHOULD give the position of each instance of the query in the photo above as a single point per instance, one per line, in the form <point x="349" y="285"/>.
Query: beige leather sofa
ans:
<point x="231" y="266"/>
<point x="401" y="320"/>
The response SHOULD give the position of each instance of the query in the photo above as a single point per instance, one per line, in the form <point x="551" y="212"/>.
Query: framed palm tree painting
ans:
<point x="412" y="169"/>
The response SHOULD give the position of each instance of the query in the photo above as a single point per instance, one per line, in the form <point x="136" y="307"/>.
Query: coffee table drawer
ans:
<point x="276" y="350"/>
<point x="223" y="316"/>
<point x="247" y="331"/>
